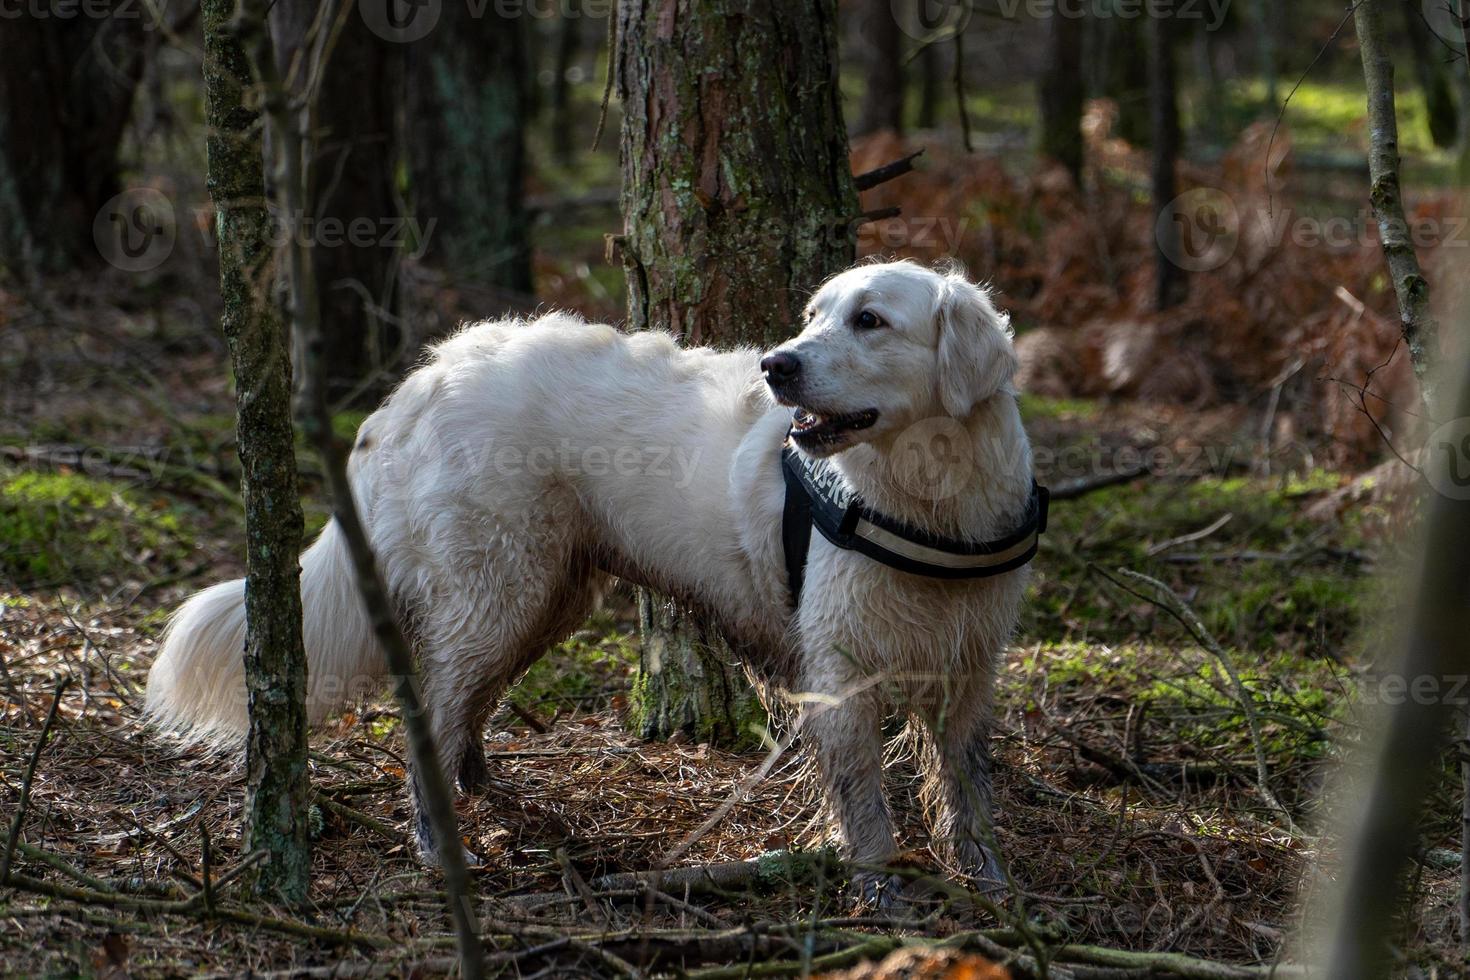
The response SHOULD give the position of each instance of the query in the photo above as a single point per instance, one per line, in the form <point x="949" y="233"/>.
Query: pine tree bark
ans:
<point x="1420" y="331"/>
<point x="353" y="125"/>
<point x="66" y="86"/>
<point x="468" y="105"/>
<point x="275" y="661"/>
<point x="881" y="59"/>
<point x="1170" y="283"/>
<point x="1062" y="95"/>
<point x="737" y="195"/>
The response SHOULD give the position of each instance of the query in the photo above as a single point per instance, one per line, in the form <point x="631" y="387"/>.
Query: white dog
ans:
<point x="526" y="462"/>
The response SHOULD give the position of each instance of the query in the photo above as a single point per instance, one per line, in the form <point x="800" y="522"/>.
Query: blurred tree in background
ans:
<point x="66" y="88"/>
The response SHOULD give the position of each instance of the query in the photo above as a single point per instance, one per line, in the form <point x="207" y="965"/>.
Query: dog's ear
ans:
<point x="976" y="359"/>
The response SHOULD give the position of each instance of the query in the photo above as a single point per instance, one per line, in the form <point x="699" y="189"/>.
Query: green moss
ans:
<point x="1269" y="579"/>
<point x="1036" y="408"/>
<point x="66" y="527"/>
<point x="1296" y="702"/>
<point x="584" y="672"/>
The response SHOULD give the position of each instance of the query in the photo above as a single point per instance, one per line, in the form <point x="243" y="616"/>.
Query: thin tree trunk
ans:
<point x="1421" y="332"/>
<point x="881" y="60"/>
<point x="1389" y="802"/>
<point x="1062" y="95"/>
<point x="66" y="87"/>
<point x="1434" y="82"/>
<point x="292" y="141"/>
<point x="351" y="174"/>
<point x="466" y="146"/>
<point x="1264" y="15"/>
<point x="1171" y="284"/>
<point x="737" y="195"/>
<point x="563" y="132"/>
<point x="931" y="73"/>
<point x="275" y="662"/>
<point x="1127" y="39"/>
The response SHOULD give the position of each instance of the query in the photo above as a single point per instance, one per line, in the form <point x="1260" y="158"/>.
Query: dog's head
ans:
<point x="885" y="346"/>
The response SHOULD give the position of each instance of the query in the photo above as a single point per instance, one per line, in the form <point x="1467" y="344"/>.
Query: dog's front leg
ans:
<point x="845" y="733"/>
<point x="957" y="768"/>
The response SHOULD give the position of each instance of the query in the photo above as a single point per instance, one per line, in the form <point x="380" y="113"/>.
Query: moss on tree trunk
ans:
<point x="737" y="195"/>
<point x="275" y="662"/>
<point x="466" y="145"/>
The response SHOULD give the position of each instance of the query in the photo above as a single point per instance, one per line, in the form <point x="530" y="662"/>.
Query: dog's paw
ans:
<point x="428" y="855"/>
<point x="876" y="891"/>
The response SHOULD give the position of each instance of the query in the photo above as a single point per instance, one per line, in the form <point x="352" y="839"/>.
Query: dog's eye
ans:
<point x="868" y="320"/>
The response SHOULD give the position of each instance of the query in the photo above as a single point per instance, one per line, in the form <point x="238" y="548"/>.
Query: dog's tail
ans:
<point x="197" y="684"/>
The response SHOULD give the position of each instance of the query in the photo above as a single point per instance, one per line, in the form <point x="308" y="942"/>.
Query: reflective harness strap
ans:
<point x="851" y="525"/>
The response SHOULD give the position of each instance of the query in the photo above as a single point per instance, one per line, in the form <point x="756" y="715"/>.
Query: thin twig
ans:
<point x="25" y="782"/>
<point x="1169" y="601"/>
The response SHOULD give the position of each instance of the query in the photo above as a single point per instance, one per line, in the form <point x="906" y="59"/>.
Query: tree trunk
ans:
<point x="737" y="195"/>
<point x="285" y="103"/>
<point x="352" y="210"/>
<point x="1421" y="332"/>
<point x="1264" y="14"/>
<point x="563" y="132"/>
<point x="930" y="79"/>
<point x="1171" y="285"/>
<point x="66" y="87"/>
<point x="1062" y="93"/>
<point x="275" y="661"/>
<point x="1430" y="66"/>
<point x="466" y="149"/>
<point x="881" y="60"/>
<point x="1127" y="41"/>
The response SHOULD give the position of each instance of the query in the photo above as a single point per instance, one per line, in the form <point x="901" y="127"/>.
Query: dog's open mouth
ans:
<point x="811" y="430"/>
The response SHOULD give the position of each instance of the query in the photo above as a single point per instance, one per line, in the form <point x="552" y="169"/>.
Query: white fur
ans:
<point x="506" y="478"/>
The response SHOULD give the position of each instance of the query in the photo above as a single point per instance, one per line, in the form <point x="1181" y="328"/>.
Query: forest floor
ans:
<point x="1129" y="800"/>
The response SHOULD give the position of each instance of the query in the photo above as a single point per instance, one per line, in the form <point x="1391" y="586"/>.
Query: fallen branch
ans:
<point x="1081" y="487"/>
<point x="194" y="907"/>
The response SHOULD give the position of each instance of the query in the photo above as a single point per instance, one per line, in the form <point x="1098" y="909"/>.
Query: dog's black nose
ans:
<point x="781" y="367"/>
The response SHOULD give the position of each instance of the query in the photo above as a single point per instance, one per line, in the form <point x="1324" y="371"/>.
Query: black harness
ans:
<point x="816" y="496"/>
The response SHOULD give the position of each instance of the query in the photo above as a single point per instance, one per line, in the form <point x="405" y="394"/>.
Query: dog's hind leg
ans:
<point x="472" y="649"/>
<point x="564" y="613"/>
